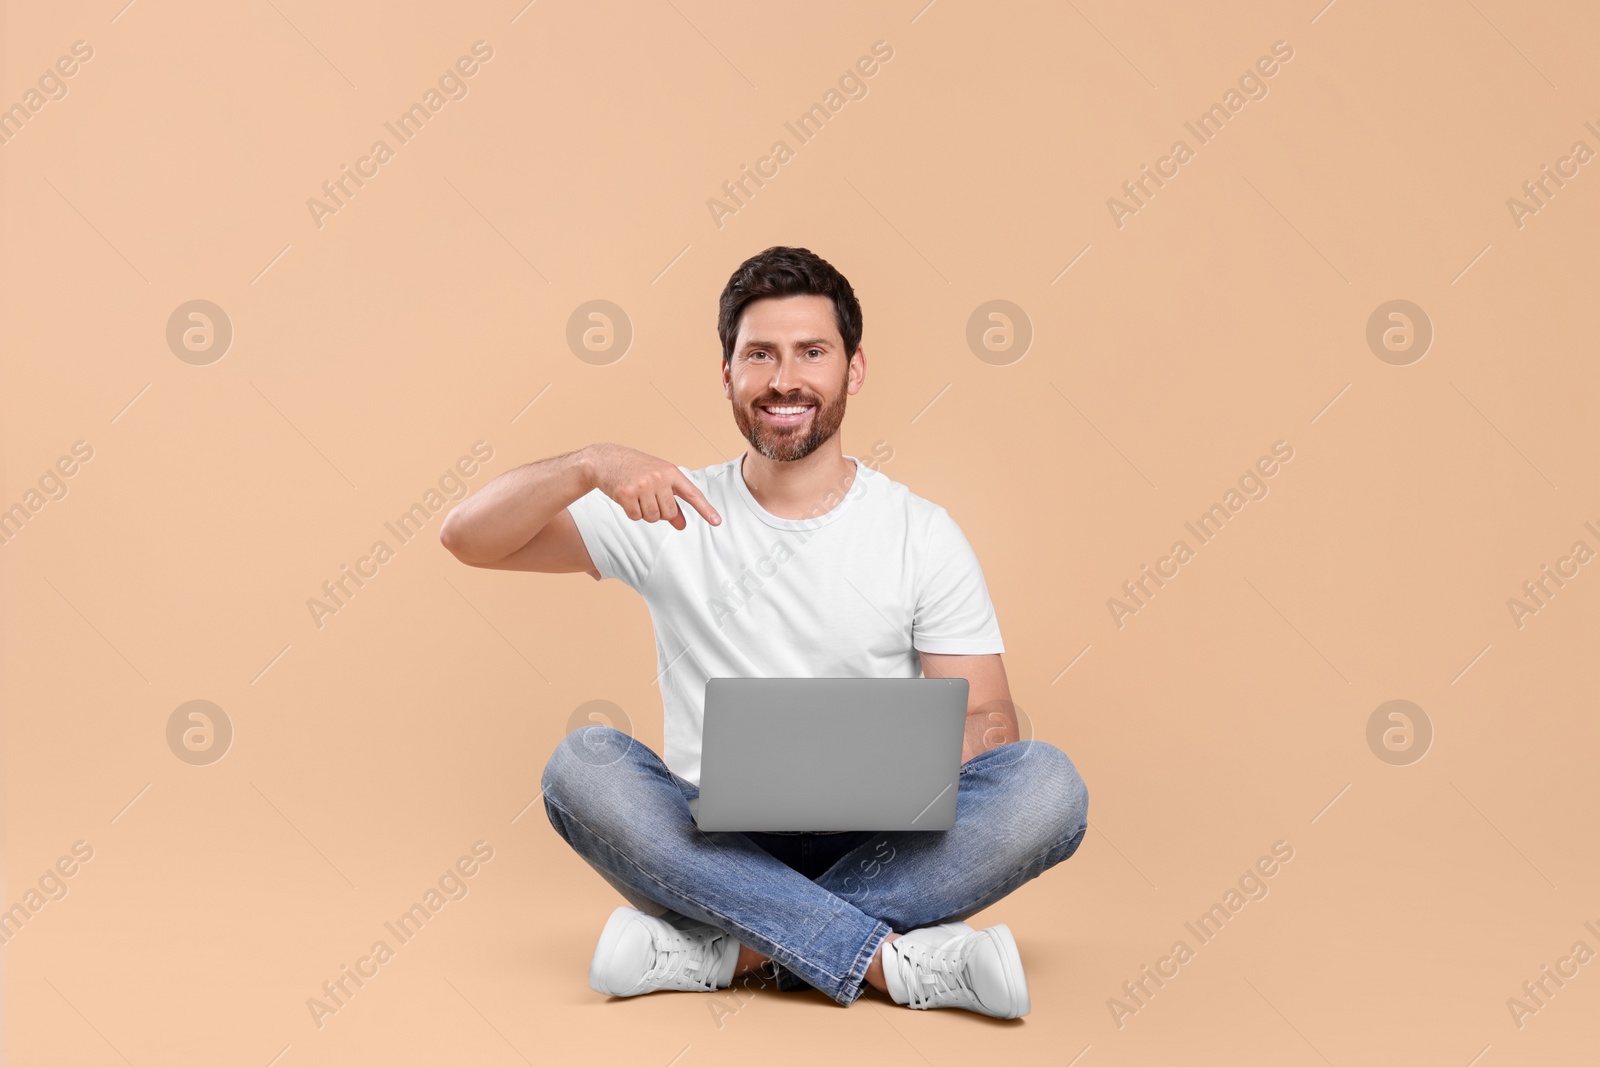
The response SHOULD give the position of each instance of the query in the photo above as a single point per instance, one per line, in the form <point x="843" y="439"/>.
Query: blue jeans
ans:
<point x="1021" y="808"/>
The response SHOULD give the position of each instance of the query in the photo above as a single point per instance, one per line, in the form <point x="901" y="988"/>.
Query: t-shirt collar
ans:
<point x="857" y="488"/>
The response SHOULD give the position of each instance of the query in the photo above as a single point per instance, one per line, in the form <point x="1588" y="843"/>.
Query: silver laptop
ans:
<point x="831" y="753"/>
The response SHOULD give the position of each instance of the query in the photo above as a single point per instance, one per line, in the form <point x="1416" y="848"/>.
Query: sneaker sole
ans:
<point x="1016" y="981"/>
<point x="606" y="946"/>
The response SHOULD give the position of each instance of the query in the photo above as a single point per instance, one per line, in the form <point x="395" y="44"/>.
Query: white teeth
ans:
<point x="788" y="411"/>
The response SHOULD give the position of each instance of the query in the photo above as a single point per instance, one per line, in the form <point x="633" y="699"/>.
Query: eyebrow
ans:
<point x="815" y="342"/>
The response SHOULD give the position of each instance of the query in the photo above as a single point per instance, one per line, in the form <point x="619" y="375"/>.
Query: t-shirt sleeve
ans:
<point x="954" y="615"/>
<point x="621" y="548"/>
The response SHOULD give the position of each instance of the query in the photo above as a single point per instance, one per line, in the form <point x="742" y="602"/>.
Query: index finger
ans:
<point x="684" y="487"/>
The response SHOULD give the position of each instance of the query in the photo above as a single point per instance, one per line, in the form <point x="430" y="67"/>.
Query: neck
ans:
<point x="802" y="488"/>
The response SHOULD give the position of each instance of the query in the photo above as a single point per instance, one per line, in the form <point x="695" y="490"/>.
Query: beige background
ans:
<point x="430" y="312"/>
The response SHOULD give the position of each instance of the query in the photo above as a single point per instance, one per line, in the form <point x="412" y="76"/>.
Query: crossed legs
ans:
<point x="1021" y="809"/>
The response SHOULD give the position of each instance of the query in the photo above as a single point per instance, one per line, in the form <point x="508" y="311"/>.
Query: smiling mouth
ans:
<point x="786" y="414"/>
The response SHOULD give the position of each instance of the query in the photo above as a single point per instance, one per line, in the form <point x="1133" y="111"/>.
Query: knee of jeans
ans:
<point x="579" y="757"/>
<point x="1061" y="792"/>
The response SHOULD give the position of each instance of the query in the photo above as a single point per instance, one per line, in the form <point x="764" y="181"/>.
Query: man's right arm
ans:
<point x="519" y="520"/>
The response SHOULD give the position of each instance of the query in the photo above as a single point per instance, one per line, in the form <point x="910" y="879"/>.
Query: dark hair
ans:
<point x="783" y="271"/>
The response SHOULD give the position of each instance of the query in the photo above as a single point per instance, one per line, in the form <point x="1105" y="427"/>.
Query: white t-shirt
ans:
<point x="855" y="592"/>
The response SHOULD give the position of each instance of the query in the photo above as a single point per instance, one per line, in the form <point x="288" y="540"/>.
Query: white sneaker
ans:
<point x="954" y="966"/>
<point x="640" y="953"/>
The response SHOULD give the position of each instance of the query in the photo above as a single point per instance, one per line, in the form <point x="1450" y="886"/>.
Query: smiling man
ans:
<point x="791" y="560"/>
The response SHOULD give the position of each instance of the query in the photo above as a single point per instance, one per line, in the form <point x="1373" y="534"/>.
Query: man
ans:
<point x="795" y="561"/>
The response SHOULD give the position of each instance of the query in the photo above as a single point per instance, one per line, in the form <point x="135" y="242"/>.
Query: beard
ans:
<point x="789" y="443"/>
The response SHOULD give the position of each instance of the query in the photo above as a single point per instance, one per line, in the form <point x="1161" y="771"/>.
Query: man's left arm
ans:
<point x="991" y="715"/>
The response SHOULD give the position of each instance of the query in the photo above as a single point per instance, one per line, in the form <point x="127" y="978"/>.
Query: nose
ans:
<point x="784" y="376"/>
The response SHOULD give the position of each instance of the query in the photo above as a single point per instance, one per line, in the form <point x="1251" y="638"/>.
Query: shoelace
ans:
<point x="685" y="955"/>
<point x="928" y="975"/>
